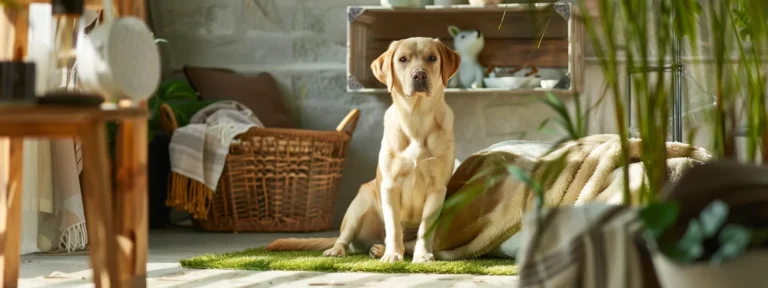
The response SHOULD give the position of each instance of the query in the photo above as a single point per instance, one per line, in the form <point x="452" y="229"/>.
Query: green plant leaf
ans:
<point x="523" y="176"/>
<point x="563" y="116"/>
<point x="734" y="240"/>
<point x="543" y="124"/>
<point x="744" y="33"/>
<point x="658" y="217"/>
<point x="713" y="217"/>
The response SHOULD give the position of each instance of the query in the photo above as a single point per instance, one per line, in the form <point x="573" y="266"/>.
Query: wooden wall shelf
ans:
<point x="370" y="30"/>
<point x="92" y="4"/>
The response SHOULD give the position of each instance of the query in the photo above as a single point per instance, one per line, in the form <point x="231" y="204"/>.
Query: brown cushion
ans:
<point x="259" y="93"/>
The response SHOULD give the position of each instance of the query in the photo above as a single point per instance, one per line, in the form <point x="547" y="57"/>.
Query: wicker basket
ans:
<point x="278" y="180"/>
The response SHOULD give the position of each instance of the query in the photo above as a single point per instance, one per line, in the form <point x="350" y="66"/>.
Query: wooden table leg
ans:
<point x="130" y="203"/>
<point x="97" y="199"/>
<point x="11" y="163"/>
<point x="132" y="8"/>
<point x="13" y="32"/>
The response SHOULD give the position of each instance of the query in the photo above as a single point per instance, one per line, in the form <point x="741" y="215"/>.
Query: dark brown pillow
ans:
<point x="259" y="93"/>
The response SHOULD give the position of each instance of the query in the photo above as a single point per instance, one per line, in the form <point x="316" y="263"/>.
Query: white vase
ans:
<point x="745" y="271"/>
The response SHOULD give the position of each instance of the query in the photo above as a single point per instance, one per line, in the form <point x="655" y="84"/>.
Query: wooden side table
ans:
<point x="117" y="221"/>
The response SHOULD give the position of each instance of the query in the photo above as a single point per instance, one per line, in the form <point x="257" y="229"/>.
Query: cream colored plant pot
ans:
<point x="747" y="271"/>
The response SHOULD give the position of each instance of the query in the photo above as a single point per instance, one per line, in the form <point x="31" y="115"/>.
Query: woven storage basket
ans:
<point x="278" y="180"/>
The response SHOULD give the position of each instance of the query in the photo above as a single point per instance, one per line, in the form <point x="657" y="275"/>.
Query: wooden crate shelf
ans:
<point x="371" y="29"/>
<point x="92" y="4"/>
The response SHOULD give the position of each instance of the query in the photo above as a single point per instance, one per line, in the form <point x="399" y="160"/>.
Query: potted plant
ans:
<point x="699" y="239"/>
<point x="709" y="231"/>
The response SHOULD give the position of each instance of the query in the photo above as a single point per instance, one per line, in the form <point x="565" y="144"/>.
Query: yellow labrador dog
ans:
<point x="415" y="162"/>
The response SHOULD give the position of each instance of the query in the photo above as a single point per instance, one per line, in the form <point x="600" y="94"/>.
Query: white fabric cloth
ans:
<point x="199" y="150"/>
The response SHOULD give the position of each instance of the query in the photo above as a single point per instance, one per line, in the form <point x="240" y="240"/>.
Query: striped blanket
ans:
<point x="582" y="246"/>
<point x="199" y="151"/>
<point x="591" y="172"/>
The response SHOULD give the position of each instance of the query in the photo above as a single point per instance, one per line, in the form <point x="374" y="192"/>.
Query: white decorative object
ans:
<point x="512" y="82"/>
<point x="405" y="3"/>
<point x="119" y="59"/>
<point x="450" y="2"/>
<point x="549" y="84"/>
<point x="469" y="44"/>
<point x="89" y="16"/>
<point x="484" y="2"/>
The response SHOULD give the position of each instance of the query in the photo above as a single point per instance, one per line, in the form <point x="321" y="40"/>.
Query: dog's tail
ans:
<point x="306" y="244"/>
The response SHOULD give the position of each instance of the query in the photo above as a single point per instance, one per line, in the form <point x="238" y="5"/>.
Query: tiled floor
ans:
<point x="167" y="246"/>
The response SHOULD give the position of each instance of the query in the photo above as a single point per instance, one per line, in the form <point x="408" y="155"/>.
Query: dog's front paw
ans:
<point x="334" y="252"/>
<point x="377" y="251"/>
<point x="423" y="257"/>
<point x="392" y="257"/>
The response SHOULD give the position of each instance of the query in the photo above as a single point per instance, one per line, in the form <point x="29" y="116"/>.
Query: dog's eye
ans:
<point x="432" y="58"/>
<point x="462" y="36"/>
<point x="403" y="59"/>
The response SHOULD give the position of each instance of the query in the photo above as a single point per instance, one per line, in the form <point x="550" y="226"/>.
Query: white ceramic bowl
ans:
<point x="549" y="84"/>
<point x="552" y="73"/>
<point x="512" y="82"/>
<point x="405" y="3"/>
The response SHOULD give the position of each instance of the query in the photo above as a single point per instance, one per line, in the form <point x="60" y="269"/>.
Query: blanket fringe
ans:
<point x="75" y="238"/>
<point x="189" y="195"/>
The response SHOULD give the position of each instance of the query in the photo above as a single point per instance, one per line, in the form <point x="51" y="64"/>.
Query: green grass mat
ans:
<point x="261" y="260"/>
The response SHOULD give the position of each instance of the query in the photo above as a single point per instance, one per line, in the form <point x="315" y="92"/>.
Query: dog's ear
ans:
<point x="449" y="62"/>
<point x="383" y="67"/>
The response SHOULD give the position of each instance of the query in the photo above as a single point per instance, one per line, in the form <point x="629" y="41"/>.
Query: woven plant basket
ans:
<point x="277" y="180"/>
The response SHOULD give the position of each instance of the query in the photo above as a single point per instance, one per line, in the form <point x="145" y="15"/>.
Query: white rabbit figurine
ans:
<point x="469" y="44"/>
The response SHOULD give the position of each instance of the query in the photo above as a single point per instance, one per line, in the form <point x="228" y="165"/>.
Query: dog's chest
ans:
<point x="416" y="158"/>
<point x="415" y="182"/>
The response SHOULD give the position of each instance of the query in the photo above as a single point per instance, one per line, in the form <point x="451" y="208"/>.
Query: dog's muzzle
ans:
<point x="420" y="81"/>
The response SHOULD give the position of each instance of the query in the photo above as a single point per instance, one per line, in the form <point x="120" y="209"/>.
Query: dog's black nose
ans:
<point x="420" y="76"/>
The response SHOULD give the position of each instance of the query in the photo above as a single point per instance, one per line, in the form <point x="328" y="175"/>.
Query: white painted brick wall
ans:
<point x="303" y="44"/>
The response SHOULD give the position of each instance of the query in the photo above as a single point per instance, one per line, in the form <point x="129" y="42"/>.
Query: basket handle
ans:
<point x="167" y="118"/>
<point x="349" y="123"/>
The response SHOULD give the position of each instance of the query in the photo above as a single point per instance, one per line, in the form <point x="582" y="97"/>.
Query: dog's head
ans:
<point x="416" y="66"/>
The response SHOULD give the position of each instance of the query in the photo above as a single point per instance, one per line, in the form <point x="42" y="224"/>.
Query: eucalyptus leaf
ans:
<point x="734" y="240"/>
<point x="690" y="248"/>
<point x="713" y="217"/>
